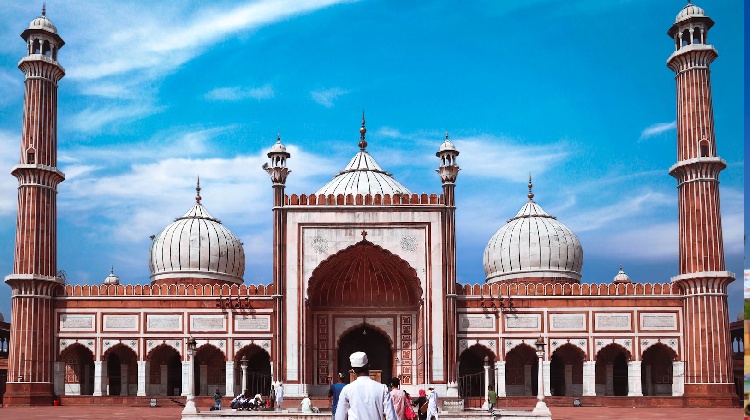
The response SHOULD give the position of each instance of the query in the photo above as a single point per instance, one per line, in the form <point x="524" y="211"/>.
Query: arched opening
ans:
<point x="521" y="371"/>
<point x="685" y="37"/>
<point x="697" y="38"/>
<point x="611" y="371"/>
<point x="258" y="380"/>
<point x="471" y="381"/>
<point x="365" y="279"/>
<point x="566" y="371"/>
<point x="705" y="149"/>
<point x="122" y="370"/>
<point x="209" y="370"/>
<point x="78" y="370"/>
<point x="36" y="47"/>
<point x="164" y="371"/>
<point x="30" y="156"/>
<point x="371" y="341"/>
<point x="45" y="48"/>
<point x="656" y="370"/>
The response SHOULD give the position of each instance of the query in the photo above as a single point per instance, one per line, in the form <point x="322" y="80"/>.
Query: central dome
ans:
<point x="196" y="248"/>
<point x="363" y="176"/>
<point x="533" y="246"/>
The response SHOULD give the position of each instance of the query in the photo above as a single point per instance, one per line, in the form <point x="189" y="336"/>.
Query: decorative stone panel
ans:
<point x="601" y="343"/>
<point x="324" y="362"/>
<point x="219" y="344"/>
<point x="613" y="321"/>
<point x="658" y="321"/>
<point x="567" y="322"/>
<point x="671" y="342"/>
<point x="510" y="344"/>
<point x="175" y="344"/>
<point x="523" y="322"/>
<point x="89" y="343"/>
<point x="208" y="323"/>
<point x="120" y="322"/>
<point x="77" y="322"/>
<point x="556" y="343"/>
<point x="130" y="343"/>
<point x="476" y="322"/>
<point x="163" y="322"/>
<point x="406" y="351"/>
<point x="252" y="323"/>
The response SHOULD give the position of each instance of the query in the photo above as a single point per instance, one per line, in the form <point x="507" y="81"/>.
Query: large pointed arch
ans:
<point x="364" y="275"/>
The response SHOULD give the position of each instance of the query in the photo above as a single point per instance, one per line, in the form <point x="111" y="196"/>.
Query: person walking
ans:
<point x="334" y="392"/>
<point x="432" y="404"/>
<point x="399" y="399"/>
<point x="279" y="395"/>
<point x="421" y="405"/>
<point x="364" y="399"/>
<point x="491" y="399"/>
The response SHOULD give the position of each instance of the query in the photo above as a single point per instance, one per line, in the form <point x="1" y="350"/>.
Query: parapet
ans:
<point x="363" y="200"/>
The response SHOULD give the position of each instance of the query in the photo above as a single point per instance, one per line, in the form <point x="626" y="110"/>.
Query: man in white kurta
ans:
<point x="432" y="405"/>
<point x="364" y="399"/>
<point x="279" y="395"/>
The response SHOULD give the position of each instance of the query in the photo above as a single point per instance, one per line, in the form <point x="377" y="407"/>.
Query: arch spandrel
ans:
<point x="364" y="275"/>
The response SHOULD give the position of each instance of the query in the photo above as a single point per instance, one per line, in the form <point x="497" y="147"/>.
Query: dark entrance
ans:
<point x="174" y="375"/>
<point x="372" y="342"/>
<point x="113" y="374"/>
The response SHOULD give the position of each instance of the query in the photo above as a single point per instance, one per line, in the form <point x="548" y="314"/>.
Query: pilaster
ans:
<point x="142" y="379"/>
<point x="589" y="378"/>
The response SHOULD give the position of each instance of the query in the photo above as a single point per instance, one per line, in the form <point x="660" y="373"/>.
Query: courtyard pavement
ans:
<point x="173" y="413"/>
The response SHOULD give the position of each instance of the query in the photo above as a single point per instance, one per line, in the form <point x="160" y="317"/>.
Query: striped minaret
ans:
<point x="34" y="279"/>
<point x="448" y="172"/>
<point x="703" y="277"/>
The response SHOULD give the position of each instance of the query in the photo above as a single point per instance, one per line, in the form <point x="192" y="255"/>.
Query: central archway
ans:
<point x="372" y="342"/>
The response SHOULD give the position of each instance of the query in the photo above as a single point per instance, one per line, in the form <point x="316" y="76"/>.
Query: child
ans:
<point x="217" y="400"/>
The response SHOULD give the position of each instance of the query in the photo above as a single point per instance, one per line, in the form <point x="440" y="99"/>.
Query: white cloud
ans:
<point x="629" y="207"/>
<point x="238" y="93"/>
<point x="95" y="119"/>
<point x="10" y="145"/>
<point x="656" y="129"/>
<point x="491" y="157"/>
<point x="326" y="97"/>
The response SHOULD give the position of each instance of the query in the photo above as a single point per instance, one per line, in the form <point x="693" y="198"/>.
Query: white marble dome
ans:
<point x="532" y="245"/>
<point x="690" y="10"/>
<point x="363" y="176"/>
<point x="197" y="246"/>
<point x="43" y="23"/>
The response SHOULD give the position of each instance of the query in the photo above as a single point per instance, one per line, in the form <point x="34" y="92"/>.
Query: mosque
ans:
<point x="365" y="264"/>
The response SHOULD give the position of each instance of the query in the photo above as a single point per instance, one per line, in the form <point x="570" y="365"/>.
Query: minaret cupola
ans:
<point x="448" y="167"/>
<point x="41" y="37"/>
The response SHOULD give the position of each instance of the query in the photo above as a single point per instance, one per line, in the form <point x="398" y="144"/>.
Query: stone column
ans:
<point x="230" y="379"/>
<point x="678" y="378"/>
<point x="610" y="378"/>
<point x="98" y="379"/>
<point x="634" y="379"/>
<point x="185" y="377"/>
<point x="243" y="384"/>
<point x="589" y="379"/>
<point x="485" y="405"/>
<point x="204" y="380"/>
<point x="123" y="379"/>
<point x="59" y="376"/>
<point x="649" y="383"/>
<point x="546" y="373"/>
<point x="141" y="378"/>
<point x="500" y="378"/>
<point x="527" y="380"/>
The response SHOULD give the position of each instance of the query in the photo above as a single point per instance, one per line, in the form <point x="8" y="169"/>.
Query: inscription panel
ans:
<point x="207" y="323"/>
<point x="468" y="322"/>
<point x="613" y="321"/>
<point x="77" y="322"/>
<point x="120" y="323"/>
<point x="252" y="323"/>
<point x="659" y="322"/>
<point x="567" y="322"/>
<point x="164" y="322"/>
<point x="523" y="322"/>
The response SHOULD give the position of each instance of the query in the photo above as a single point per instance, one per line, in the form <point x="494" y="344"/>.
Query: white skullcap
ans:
<point x="358" y="359"/>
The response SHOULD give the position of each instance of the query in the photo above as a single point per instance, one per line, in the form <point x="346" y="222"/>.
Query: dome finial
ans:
<point x="112" y="270"/>
<point x="531" y="194"/>
<point x="198" y="191"/>
<point x="44" y="9"/>
<point x="446" y="134"/>
<point x="278" y="138"/>
<point x="362" y="131"/>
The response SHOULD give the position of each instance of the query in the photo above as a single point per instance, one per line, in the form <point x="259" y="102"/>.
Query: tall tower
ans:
<point x="34" y="279"/>
<point x="448" y="172"/>
<point x="703" y="278"/>
<point x="278" y="172"/>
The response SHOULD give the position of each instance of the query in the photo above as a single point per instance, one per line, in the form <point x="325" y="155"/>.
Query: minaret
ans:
<point x="703" y="277"/>
<point x="448" y="171"/>
<point x="34" y="279"/>
<point x="278" y="171"/>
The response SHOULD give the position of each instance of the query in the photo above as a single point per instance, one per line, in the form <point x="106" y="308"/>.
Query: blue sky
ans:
<point x="575" y="92"/>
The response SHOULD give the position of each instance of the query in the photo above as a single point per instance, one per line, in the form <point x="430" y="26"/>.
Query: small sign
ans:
<point x="153" y="402"/>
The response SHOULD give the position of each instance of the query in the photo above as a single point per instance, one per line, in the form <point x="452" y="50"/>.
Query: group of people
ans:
<point x="366" y="399"/>
<point x="243" y="401"/>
